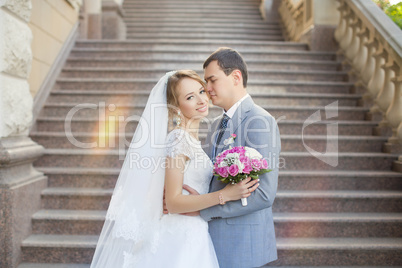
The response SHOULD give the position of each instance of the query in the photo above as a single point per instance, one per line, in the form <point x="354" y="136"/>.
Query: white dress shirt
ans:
<point x="233" y="109"/>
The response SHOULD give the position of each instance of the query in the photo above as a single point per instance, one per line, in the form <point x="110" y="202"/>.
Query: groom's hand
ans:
<point x="192" y="192"/>
<point x="165" y="210"/>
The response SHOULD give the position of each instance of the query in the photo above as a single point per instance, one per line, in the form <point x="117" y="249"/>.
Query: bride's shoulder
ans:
<point x="176" y="133"/>
<point x="178" y="142"/>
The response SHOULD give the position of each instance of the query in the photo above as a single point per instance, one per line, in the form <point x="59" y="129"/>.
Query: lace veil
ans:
<point x="132" y="219"/>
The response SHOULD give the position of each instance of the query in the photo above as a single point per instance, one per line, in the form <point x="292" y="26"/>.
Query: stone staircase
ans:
<point x="349" y="215"/>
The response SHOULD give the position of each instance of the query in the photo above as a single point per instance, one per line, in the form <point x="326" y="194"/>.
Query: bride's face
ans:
<point x="193" y="99"/>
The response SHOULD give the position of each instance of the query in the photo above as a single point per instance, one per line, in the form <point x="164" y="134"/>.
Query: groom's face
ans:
<point x="219" y="86"/>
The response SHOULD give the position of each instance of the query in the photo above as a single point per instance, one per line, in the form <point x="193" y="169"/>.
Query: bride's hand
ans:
<point x="240" y="190"/>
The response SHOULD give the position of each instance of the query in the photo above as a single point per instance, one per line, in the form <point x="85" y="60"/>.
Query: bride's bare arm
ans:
<point x="176" y="202"/>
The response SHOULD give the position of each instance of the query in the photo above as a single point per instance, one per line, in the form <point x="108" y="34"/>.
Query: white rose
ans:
<point x="252" y="153"/>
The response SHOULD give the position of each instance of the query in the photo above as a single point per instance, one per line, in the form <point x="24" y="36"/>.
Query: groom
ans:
<point x="243" y="237"/>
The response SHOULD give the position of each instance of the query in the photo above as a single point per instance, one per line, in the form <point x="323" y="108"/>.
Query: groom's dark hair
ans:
<point x="229" y="60"/>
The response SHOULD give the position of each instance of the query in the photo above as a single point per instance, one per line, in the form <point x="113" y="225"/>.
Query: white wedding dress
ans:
<point x="183" y="241"/>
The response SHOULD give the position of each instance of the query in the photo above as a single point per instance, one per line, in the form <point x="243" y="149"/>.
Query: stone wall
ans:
<point x="15" y="65"/>
<point x="20" y="183"/>
<point x="51" y="23"/>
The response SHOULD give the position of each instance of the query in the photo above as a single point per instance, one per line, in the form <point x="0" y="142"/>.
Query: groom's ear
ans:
<point x="237" y="78"/>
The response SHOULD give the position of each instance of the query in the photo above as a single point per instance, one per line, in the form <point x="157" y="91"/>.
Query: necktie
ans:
<point x="221" y="130"/>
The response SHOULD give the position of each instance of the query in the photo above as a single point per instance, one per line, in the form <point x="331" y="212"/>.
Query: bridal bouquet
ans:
<point x="236" y="164"/>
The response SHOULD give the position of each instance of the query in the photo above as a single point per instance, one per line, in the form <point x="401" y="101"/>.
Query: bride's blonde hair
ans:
<point x="172" y="93"/>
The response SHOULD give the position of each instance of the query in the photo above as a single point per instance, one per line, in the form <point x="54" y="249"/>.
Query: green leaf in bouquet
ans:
<point x="254" y="176"/>
<point x="262" y="171"/>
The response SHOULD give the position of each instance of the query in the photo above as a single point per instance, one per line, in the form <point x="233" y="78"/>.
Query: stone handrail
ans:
<point x="297" y="18"/>
<point x="372" y="44"/>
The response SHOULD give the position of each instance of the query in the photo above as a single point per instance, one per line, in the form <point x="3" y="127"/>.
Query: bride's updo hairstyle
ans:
<point x="172" y="93"/>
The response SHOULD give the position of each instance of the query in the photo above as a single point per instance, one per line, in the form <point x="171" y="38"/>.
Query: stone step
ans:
<point x="181" y="11"/>
<point x="76" y="198"/>
<point x="204" y="16"/>
<point x="210" y="35"/>
<point x="338" y="224"/>
<point x="293" y="143"/>
<point x="207" y="35"/>
<point x="187" y="44"/>
<point x="187" y="7"/>
<point x="284" y="112"/>
<point x="176" y="64"/>
<point x="285" y="266"/>
<point x="254" y="86"/>
<point x="188" y="55"/>
<point x="339" y="252"/>
<point x="184" y="2"/>
<point x="291" y="251"/>
<point x="193" y="4"/>
<point x="186" y="26"/>
<point x="191" y="19"/>
<point x="191" y="14"/>
<point x="59" y="248"/>
<point x="288" y="180"/>
<point x="126" y="97"/>
<point x="90" y="222"/>
<point x="294" y="75"/>
<point x="285" y="201"/>
<point x="53" y="265"/>
<point x="338" y="201"/>
<point x="133" y="29"/>
<point x="315" y="180"/>
<point x="81" y="177"/>
<point x="287" y="160"/>
<point x="72" y="222"/>
<point x="287" y="127"/>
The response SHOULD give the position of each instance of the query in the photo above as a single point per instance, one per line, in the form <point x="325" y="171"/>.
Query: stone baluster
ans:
<point x="377" y="80"/>
<point x="341" y="28"/>
<point x="347" y="38"/>
<point x="283" y="10"/>
<point x="285" y="14"/>
<point x="394" y="114"/>
<point x="370" y="65"/>
<point x="385" y="96"/>
<point x="351" y="50"/>
<point x="292" y="26"/>
<point x="361" y="55"/>
<point x="299" y="21"/>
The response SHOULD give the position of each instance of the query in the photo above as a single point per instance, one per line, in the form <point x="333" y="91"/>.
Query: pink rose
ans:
<point x="233" y="170"/>
<point x="264" y="164"/>
<point x="244" y="159"/>
<point x="247" y="168"/>
<point x="216" y="165"/>
<point x="256" y="163"/>
<point x="222" y="171"/>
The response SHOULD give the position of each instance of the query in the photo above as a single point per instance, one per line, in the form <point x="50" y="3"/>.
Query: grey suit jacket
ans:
<point x="244" y="237"/>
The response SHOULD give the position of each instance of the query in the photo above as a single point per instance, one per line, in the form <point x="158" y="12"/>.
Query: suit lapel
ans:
<point x="239" y="116"/>
<point x="211" y="137"/>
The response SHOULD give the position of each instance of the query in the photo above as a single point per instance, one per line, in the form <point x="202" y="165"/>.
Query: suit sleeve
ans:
<point x="261" y="132"/>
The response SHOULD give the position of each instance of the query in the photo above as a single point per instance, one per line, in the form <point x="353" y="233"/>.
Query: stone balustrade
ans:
<point x="308" y="21"/>
<point x="372" y="45"/>
<point x="292" y="13"/>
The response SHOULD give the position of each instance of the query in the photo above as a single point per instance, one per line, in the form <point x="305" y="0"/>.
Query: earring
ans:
<point x="178" y="119"/>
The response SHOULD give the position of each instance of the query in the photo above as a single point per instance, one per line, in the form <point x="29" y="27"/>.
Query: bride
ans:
<point x="165" y="154"/>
